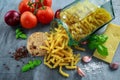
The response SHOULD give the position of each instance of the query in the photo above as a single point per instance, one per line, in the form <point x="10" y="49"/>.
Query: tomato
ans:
<point x="28" y="20"/>
<point x="46" y="15"/>
<point x="45" y="2"/>
<point x="23" y="6"/>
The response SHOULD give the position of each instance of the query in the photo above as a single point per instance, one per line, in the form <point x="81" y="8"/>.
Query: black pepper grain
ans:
<point x="17" y="65"/>
<point x="6" y="67"/>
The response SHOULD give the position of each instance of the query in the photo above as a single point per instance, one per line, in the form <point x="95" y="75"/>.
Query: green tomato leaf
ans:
<point x="102" y="50"/>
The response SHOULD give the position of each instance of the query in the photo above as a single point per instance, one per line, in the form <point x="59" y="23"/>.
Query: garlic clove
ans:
<point x="86" y="59"/>
<point x="114" y="66"/>
<point x="80" y="72"/>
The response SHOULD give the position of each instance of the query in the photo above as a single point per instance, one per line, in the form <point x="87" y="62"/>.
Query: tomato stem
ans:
<point x="36" y="8"/>
<point x="41" y="1"/>
<point x="30" y="4"/>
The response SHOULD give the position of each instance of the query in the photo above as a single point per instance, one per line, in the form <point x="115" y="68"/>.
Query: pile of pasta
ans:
<point x="59" y="54"/>
<point x="80" y="28"/>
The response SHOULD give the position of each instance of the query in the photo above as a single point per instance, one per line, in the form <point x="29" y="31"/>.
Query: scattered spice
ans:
<point x="22" y="61"/>
<point x="9" y="52"/>
<point x="20" y="53"/>
<point x="12" y="56"/>
<point x="6" y="67"/>
<point x="17" y="65"/>
<point x="4" y="64"/>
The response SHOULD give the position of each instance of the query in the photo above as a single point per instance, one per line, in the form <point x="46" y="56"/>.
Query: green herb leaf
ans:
<point x="17" y="36"/>
<point x="98" y="38"/>
<point x="96" y="42"/>
<point x="25" y="68"/>
<point x="18" y="30"/>
<point x="20" y="34"/>
<point x="93" y="44"/>
<point x="102" y="50"/>
<point x="23" y="36"/>
<point x="31" y="65"/>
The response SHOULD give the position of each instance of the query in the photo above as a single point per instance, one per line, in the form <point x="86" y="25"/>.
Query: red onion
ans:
<point x="12" y="18"/>
<point x="57" y="13"/>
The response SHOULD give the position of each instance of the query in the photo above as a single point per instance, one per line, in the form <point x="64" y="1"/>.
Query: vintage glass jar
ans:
<point x="82" y="18"/>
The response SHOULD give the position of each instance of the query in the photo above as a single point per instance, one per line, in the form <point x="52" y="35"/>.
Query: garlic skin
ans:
<point x="80" y="72"/>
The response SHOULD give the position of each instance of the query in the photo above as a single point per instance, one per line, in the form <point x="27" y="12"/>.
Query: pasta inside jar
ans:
<point x="83" y="18"/>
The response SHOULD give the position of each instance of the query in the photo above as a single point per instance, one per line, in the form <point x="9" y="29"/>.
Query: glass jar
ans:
<point x="82" y="18"/>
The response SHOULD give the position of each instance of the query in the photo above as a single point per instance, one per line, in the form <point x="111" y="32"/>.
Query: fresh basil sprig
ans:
<point x="96" y="42"/>
<point x="20" y="34"/>
<point x="30" y="65"/>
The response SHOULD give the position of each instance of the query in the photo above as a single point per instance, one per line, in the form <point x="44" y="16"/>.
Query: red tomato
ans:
<point x="45" y="2"/>
<point x="28" y="20"/>
<point x="46" y="15"/>
<point x="23" y="6"/>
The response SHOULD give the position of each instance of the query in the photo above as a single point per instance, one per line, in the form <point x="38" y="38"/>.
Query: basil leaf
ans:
<point x="23" y="36"/>
<point x="25" y="68"/>
<point x="102" y="38"/>
<point x="18" y="30"/>
<point x="92" y="45"/>
<point x="98" y="38"/>
<point x="102" y="50"/>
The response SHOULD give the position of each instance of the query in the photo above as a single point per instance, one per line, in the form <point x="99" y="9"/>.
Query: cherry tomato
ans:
<point x="57" y="13"/>
<point x="45" y="15"/>
<point x="28" y="20"/>
<point x="25" y="6"/>
<point x="45" y="2"/>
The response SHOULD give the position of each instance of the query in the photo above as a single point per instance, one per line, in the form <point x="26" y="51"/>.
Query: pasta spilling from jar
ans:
<point x="59" y="54"/>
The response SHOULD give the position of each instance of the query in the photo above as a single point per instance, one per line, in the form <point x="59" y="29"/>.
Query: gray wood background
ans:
<point x="95" y="70"/>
